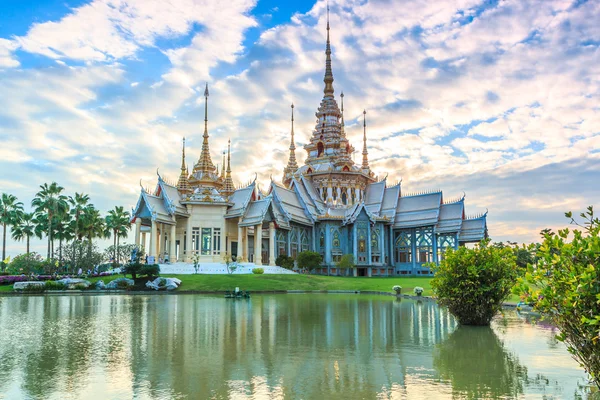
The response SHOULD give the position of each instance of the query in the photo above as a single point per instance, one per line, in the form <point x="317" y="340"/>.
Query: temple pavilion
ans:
<point x="330" y="205"/>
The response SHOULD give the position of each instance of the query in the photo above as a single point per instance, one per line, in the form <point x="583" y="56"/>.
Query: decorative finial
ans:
<point x="343" y="124"/>
<point x="204" y="163"/>
<point x="328" y="72"/>
<point x="365" y="164"/>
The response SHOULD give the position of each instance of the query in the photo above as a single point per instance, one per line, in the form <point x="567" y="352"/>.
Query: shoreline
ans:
<point x="203" y="292"/>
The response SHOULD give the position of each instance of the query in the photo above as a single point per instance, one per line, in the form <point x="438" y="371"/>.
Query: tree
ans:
<point x="25" y="229"/>
<point x="284" y="261"/>
<point x="346" y="262"/>
<point x="93" y="226"/>
<point x="123" y="254"/>
<point x="63" y="232"/>
<point x="78" y="205"/>
<point x="10" y="210"/>
<point x="50" y="201"/>
<point x="565" y="286"/>
<point x="117" y="224"/>
<point x="473" y="283"/>
<point x="308" y="260"/>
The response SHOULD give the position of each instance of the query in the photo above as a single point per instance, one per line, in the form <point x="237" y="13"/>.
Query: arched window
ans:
<point x="322" y="241"/>
<point x="304" y="241"/>
<point x="281" y="243"/>
<point x="294" y="243"/>
<point x="320" y="149"/>
<point x="344" y="198"/>
<point x="375" y="239"/>
<point x="403" y="247"/>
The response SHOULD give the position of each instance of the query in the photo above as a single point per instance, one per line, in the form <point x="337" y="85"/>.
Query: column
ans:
<point x="329" y="194"/>
<point x="355" y="244"/>
<point x="246" y="253"/>
<point x="382" y="244"/>
<point x="144" y="240"/>
<point x="138" y="228"/>
<point x="258" y="244"/>
<point x="188" y="238"/>
<point x="391" y="246"/>
<point x="272" y="243"/>
<point x="357" y="194"/>
<point x="153" y="234"/>
<point x="240" y="243"/>
<point x="172" y="248"/>
<point x="349" y="195"/>
<point x="339" y="194"/>
<point x="327" y="247"/>
<point x="369" y="258"/>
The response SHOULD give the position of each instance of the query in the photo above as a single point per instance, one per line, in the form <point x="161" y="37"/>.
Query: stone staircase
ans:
<point x="218" y="268"/>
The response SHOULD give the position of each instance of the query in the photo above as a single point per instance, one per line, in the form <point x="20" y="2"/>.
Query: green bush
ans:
<point x="53" y="285"/>
<point x="565" y="286"/>
<point x="34" y="289"/>
<point x="150" y="270"/>
<point x="309" y="260"/>
<point x="122" y="285"/>
<point x="473" y="283"/>
<point x="258" y="271"/>
<point x="80" y="286"/>
<point x="25" y="264"/>
<point x="49" y="266"/>
<point x="284" y="261"/>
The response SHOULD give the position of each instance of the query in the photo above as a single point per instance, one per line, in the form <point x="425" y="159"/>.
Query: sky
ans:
<point x="496" y="99"/>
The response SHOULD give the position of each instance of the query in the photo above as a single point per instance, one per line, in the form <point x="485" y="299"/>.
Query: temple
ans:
<point x="330" y="205"/>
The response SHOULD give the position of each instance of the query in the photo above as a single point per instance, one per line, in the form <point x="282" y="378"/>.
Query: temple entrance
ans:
<point x="234" y="249"/>
<point x="362" y="271"/>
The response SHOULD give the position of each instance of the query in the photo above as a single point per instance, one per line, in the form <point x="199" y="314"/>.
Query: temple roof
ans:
<point x="240" y="200"/>
<point x="473" y="230"/>
<point x="374" y="196"/>
<point x="255" y="212"/>
<point x="291" y="205"/>
<point x="451" y="217"/>
<point x="418" y="210"/>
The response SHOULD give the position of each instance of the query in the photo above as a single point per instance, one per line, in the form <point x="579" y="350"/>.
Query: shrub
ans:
<point x="346" y="262"/>
<point x="122" y="285"/>
<point x="258" y="271"/>
<point x="284" y="261"/>
<point x="309" y="260"/>
<point x="25" y="264"/>
<point x="418" y="290"/>
<point x="49" y="266"/>
<point x="473" y="283"/>
<point x="80" y="286"/>
<point x="565" y="286"/>
<point x="53" y="285"/>
<point x="34" y="289"/>
<point x="397" y="289"/>
<point x="150" y="270"/>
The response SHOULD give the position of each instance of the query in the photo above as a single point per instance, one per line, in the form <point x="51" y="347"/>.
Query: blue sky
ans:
<point x="499" y="99"/>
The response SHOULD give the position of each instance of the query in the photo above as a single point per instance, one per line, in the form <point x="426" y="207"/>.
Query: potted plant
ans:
<point x="418" y="291"/>
<point x="397" y="289"/>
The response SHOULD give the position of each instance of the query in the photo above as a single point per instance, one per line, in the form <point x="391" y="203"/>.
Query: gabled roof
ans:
<point x="374" y="196"/>
<point x="418" y="210"/>
<point x="172" y="198"/>
<point x="390" y="202"/>
<point x="314" y="194"/>
<point x="474" y="229"/>
<point x="451" y="217"/>
<point x="291" y="205"/>
<point x="305" y="198"/>
<point x="151" y="207"/>
<point x="255" y="212"/>
<point x="240" y="199"/>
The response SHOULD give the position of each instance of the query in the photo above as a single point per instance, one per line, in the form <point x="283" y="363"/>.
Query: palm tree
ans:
<point x="50" y="201"/>
<point x="117" y="223"/>
<point x="78" y="205"/>
<point x="10" y="210"/>
<point x="25" y="228"/>
<point x="92" y="226"/>
<point x="63" y="225"/>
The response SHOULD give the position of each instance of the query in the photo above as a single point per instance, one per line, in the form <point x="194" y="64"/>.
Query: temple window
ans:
<point x="335" y="242"/>
<point x="320" y="149"/>
<point x="294" y="244"/>
<point x="195" y="239"/>
<point x="322" y="241"/>
<point x="216" y="241"/>
<point x="304" y="241"/>
<point x="344" y="198"/>
<point x="281" y="244"/>
<point x="424" y="242"/>
<point x="445" y="242"/>
<point x="206" y="238"/>
<point x="403" y="247"/>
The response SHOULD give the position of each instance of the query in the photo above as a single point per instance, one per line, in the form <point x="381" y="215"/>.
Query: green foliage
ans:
<point x="84" y="255"/>
<point x="150" y="270"/>
<point x="49" y="266"/>
<point x="25" y="264"/>
<point x="473" y="283"/>
<point x="53" y="285"/>
<point x="284" y="261"/>
<point x="35" y="289"/>
<point x="258" y="271"/>
<point x="80" y="286"/>
<point x="346" y="262"/>
<point x="309" y="260"/>
<point x="122" y="285"/>
<point x="565" y="286"/>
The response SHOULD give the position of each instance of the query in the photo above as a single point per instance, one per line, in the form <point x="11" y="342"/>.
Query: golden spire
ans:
<point x="343" y="125"/>
<point x="228" y="186"/>
<point x="328" y="73"/>
<point x="183" y="184"/>
<point x="204" y="162"/>
<point x="365" y="163"/>
<point x="223" y="167"/>
<point x="292" y="164"/>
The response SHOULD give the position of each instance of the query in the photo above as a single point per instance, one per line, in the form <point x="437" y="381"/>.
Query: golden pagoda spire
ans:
<point x="343" y="125"/>
<point x="328" y="72"/>
<point x="183" y="184"/>
<point x="228" y="186"/>
<point x="223" y="167"/>
<point x="365" y="163"/>
<point x="292" y="164"/>
<point x="204" y="162"/>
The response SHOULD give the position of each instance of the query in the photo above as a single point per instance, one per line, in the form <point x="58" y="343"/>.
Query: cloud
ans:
<point x="7" y="59"/>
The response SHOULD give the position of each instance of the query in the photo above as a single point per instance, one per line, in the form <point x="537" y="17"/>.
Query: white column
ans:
<point x="339" y="194"/>
<point x="258" y="244"/>
<point x="357" y="194"/>
<point x="143" y="244"/>
<point x="329" y="194"/>
<point x="188" y="244"/>
<point x="138" y="227"/>
<point x="240" y="242"/>
<point x="153" y="234"/>
<point x="246" y="253"/>
<point x="349" y="195"/>
<point x="272" y="244"/>
<point x="172" y="251"/>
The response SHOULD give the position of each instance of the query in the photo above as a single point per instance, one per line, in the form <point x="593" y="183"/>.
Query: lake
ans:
<point x="300" y="346"/>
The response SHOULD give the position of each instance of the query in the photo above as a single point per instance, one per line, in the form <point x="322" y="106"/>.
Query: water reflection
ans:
<point x="294" y="346"/>
<point x="477" y="366"/>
